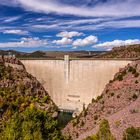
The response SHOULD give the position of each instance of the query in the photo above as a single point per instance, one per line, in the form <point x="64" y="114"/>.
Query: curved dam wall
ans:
<point x="71" y="84"/>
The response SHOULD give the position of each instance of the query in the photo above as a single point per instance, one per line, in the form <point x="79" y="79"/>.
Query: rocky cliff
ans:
<point x="119" y="104"/>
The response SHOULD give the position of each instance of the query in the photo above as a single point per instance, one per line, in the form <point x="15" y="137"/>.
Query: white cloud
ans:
<point x="119" y="24"/>
<point x="11" y="19"/>
<point x="109" y="8"/>
<point x="123" y="23"/>
<point x="82" y="25"/>
<point x="63" y="41"/>
<point x="86" y="21"/>
<point x="51" y="26"/>
<point x="18" y="32"/>
<point x="25" y="42"/>
<point x="63" y="24"/>
<point x="69" y="34"/>
<point x="117" y="43"/>
<point x="85" y="24"/>
<point x="86" y="41"/>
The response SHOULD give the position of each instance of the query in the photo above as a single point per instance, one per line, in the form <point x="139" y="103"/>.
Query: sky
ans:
<point x="68" y="25"/>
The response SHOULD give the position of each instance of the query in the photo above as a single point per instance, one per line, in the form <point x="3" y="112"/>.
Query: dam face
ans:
<point x="71" y="84"/>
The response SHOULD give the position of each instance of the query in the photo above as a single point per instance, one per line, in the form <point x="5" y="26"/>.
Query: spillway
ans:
<point x="73" y="83"/>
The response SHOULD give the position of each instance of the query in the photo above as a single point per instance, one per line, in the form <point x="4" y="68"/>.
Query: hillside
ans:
<point x="119" y="104"/>
<point x="130" y="51"/>
<point x="26" y="110"/>
<point x="52" y="54"/>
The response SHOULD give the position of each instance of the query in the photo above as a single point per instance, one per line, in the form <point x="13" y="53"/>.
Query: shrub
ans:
<point x="99" y="97"/>
<point x="77" y="135"/>
<point x="136" y="74"/>
<point x="102" y="108"/>
<point x="118" y="96"/>
<point x="132" y="134"/>
<point x="133" y="111"/>
<point x="117" y="123"/>
<point x="31" y="124"/>
<point x="134" y="96"/>
<point x="22" y="88"/>
<point x="82" y="123"/>
<point x="96" y="117"/>
<point x="119" y="77"/>
<point x="131" y="69"/>
<point x="93" y="137"/>
<point x="9" y="69"/>
<point x="93" y="100"/>
<point x="44" y="99"/>
<point x="110" y="81"/>
<point x="104" y="132"/>
<point x="75" y="122"/>
<point x="84" y="112"/>
<point x="112" y="94"/>
<point x="124" y="73"/>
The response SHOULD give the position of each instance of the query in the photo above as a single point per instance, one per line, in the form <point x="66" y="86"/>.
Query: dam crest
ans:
<point x="73" y="83"/>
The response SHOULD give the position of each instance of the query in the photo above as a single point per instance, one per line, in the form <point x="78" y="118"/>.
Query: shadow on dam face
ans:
<point x="72" y="84"/>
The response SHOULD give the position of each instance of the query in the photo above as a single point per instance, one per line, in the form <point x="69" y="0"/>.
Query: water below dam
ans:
<point x="64" y="118"/>
<point x="74" y="83"/>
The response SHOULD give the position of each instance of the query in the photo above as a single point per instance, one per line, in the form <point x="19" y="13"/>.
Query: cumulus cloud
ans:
<point x="18" y="32"/>
<point x="109" y="8"/>
<point x="69" y="34"/>
<point x="63" y="41"/>
<point x="86" y="41"/>
<point x="25" y="42"/>
<point x="116" y="43"/>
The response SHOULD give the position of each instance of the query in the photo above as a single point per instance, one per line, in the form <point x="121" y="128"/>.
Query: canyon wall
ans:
<point x="71" y="84"/>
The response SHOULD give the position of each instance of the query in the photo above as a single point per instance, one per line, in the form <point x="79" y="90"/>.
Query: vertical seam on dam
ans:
<point x="66" y="68"/>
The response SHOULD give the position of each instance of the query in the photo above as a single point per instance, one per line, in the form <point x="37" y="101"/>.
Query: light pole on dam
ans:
<point x="74" y="82"/>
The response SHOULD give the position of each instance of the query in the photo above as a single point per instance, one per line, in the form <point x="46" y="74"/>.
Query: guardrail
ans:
<point x="118" y="59"/>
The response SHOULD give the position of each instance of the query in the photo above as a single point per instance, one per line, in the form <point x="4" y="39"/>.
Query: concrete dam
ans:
<point x="74" y="83"/>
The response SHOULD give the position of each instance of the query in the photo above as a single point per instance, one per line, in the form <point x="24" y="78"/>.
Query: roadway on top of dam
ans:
<point x="118" y="59"/>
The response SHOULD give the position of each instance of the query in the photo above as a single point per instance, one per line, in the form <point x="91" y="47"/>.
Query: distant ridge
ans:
<point x="52" y="54"/>
<point x="129" y="51"/>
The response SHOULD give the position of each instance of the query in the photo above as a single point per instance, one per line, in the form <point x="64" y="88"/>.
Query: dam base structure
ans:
<point x="73" y="83"/>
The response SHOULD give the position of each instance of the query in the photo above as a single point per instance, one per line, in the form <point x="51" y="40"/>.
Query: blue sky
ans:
<point x="68" y="24"/>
